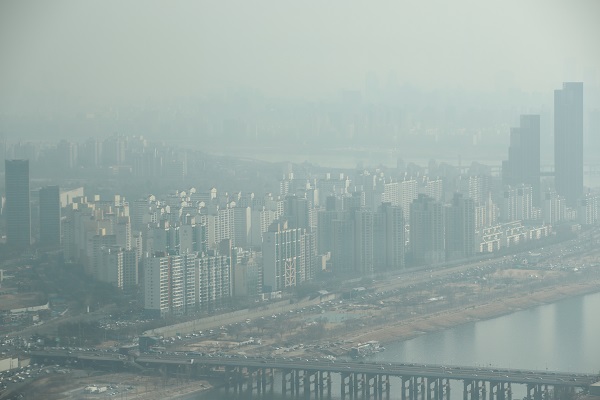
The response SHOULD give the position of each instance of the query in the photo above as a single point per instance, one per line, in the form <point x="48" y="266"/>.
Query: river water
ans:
<point x="563" y="336"/>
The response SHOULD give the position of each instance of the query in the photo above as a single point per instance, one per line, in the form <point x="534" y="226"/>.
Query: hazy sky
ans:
<point x="119" y="52"/>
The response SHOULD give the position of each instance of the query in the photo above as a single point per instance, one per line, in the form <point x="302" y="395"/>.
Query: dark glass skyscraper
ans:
<point x="18" y="212"/>
<point x="568" y="141"/>
<point x="523" y="165"/>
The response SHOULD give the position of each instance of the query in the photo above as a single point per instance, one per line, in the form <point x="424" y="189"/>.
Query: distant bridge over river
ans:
<point x="312" y="378"/>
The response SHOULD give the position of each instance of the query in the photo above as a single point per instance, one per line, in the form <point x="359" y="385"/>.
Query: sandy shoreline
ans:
<point x="418" y="325"/>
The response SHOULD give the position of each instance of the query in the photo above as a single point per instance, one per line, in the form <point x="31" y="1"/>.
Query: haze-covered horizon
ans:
<point x="117" y="53"/>
<point x="272" y="73"/>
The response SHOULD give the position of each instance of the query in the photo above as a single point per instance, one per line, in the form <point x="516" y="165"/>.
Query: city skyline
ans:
<point x="201" y="198"/>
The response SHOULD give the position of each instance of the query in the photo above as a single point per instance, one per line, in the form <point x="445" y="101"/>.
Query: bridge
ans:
<point x="358" y="380"/>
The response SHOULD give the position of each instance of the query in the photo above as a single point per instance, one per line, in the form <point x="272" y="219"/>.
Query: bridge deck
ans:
<point x="393" y="369"/>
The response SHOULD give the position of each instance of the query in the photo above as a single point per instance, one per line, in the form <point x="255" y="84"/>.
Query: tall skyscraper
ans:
<point x="50" y="216"/>
<point x="568" y="141"/>
<point x="523" y="165"/>
<point x="18" y="212"/>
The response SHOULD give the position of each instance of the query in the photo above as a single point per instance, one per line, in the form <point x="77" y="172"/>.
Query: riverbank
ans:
<point x="414" y="326"/>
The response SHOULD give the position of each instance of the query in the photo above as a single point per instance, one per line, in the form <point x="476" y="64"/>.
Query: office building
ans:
<point x="523" y="164"/>
<point x="18" y="211"/>
<point x="568" y="142"/>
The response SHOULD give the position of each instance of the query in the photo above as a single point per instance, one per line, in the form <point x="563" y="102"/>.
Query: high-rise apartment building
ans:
<point x="390" y="237"/>
<point x="50" y="232"/>
<point x="363" y="241"/>
<point x="169" y="284"/>
<point x="213" y="280"/>
<point x="283" y="257"/>
<point x="18" y="211"/>
<point x="517" y="204"/>
<point x="568" y="142"/>
<point x="460" y="228"/>
<point x="587" y="212"/>
<point x="409" y="191"/>
<point x="427" y="229"/>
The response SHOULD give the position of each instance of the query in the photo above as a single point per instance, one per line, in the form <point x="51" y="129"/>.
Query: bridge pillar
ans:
<point x="259" y="380"/>
<point x="471" y="390"/>
<point x="538" y="392"/>
<point x="351" y="385"/>
<point x="557" y="392"/>
<point x="284" y="382"/>
<point x="494" y="390"/>
<point x="364" y="385"/>
<point x="411" y="389"/>
<point x="319" y="385"/>
<point x="414" y="388"/>
<point x="406" y="388"/>
<point x="292" y="382"/>
<point x="430" y="382"/>
<point x="355" y="385"/>
<point x="387" y="387"/>
<point x="297" y="383"/>
<point x="373" y="386"/>
<point x="483" y="391"/>
<point x="240" y="380"/>
<point x="328" y="384"/>
<point x="314" y="385"/>
<point x="227" y="379"/>
<point x="306" y="384"/>
<point x="249" y="382"/>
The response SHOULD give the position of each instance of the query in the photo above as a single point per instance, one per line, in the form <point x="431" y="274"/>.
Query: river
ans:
<point x="563" y="336"/>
